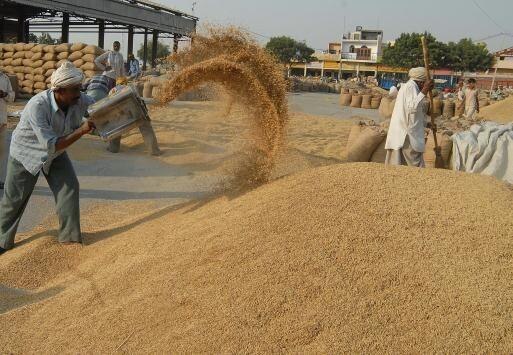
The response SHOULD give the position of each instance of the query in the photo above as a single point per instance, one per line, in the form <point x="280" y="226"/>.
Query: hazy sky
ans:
<point x="319" y="22"/>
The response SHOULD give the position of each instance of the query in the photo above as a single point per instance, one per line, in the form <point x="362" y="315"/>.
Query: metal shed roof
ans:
<point x="139" y="13"/>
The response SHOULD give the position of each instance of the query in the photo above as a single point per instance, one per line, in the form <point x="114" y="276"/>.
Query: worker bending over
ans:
<point x="51" y="122"/>
<point x="405" y="141"/>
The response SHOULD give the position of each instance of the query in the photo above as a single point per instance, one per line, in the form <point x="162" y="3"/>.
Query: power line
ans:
<point x="489" y="17"/>
<point x="258" y="34"/>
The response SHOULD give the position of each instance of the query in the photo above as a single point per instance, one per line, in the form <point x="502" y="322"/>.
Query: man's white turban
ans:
<point x="418" y="74"/>
<point x="66" y="75"/>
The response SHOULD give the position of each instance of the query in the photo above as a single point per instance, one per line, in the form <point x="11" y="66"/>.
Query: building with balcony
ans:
<point x="360" y="52"/>
<point x="327" y="63"/>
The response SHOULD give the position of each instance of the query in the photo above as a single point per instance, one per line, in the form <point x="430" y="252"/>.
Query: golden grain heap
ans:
<point x="347" y="258"/>
<point x="253" y="78"/>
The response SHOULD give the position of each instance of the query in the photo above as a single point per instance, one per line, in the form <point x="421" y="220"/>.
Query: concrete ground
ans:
<point x="130" y="176"/>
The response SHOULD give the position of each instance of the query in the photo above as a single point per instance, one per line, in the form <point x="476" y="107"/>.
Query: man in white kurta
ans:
<point x="405" y="141"/>
<point x="6" y="95"/>
<point x="471" y="97"/>
<point x="112" y="60"/>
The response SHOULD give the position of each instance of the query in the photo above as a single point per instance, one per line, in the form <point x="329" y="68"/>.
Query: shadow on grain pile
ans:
<point x="252" y="79"/>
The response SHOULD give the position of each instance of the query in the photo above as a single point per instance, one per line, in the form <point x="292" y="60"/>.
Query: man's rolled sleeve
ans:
<point x="37" y="118"/>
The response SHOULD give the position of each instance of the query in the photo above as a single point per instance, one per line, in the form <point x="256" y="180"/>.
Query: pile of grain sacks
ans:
<point x="360" y="98"/>
<point x="33" y="64"/>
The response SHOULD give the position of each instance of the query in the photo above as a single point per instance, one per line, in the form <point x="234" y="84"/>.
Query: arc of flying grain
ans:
<point x="239" y="81"/>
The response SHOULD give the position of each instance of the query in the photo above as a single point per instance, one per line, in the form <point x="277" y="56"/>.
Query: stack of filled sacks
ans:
<point x="33" y="64"/>
<point x="366" y="143"/>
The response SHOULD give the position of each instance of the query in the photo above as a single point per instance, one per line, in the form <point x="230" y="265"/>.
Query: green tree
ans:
<point x="287" y="49"/>
<point x="407" y="51"/>
<point x="163" y="50"/>
<point x="466" y="55"/>
<point x="44" y="38"/>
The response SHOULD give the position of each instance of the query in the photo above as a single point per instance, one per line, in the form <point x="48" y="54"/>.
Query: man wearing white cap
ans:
<point x="405" y="141"/>
<point x="50" y="123"/>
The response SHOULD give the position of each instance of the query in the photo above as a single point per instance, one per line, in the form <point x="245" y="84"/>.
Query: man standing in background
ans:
<point x="6" y="95"/>
<point x="470" y="94"/>
<point x="133" y="67"/>
<point x="112" y="60"/>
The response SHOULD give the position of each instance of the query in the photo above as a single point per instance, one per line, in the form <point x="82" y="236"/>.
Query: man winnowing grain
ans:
<point x="405" y="143"/>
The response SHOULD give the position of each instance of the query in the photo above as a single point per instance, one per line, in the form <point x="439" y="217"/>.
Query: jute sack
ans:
<point x="38" y="64"/>
<point x="29" y="77"/>
<point x="75" y="56"/>
<point x="63" y="47"/>
<point x="17" y="62"/>
<point x="449" y="109"/>
<point x="345" y="99"/>
<point x="29" y="46"/>
<point x="89" y="58"/>
<point x="375" y="102"/>
<point x="445" y="143"/>
<point x="366" y="101"/>
<point x="48" y="79"/>
<point x="366" y="143"/>
<point x="37" y="91"/>
<point x="38" y="71"/>
<point x="63" y="55"/>
<point x="29" y="54"/>
<point x="380" y="153"/>
<point x="78" y="63"/>
<point x="27" y="83"/>
<point x="7" y="55"/>
<point x="92" y="50"/>
<point x="9" y="69"/>
<point x="147" y="90"/>
<point x="37" y="48"/>
<point x="356" y="101"/>
<point x="49" y="72"/>
<point x="77" y="47"/>
<point x="155" y="92"/>
<point x="28" y="70"/>
<point x="49" y="65"/>
<point x="437" y="107"/>
<point x="27" y="90"/>
<point x="88" y="66"/>
<point x="7" y="62"/>
<point x="49" y="48"/>
<point x="37" y="55"/>
<point x="20" y="76"/>
<point x="386" y="107"/>
<point x="50" y="56"/>
<point x="19" y="69"/>
<point x="40" y="85"/>
<point x="38" y="78"/>
<point x="27" y="62"/>
<point x="18" y="47"/>
<point x="7" y="47"/>
<point x="356" y="130"/>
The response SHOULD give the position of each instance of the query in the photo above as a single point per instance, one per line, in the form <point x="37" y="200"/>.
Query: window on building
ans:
<point x="356" y="36"/>
<point x="351" y="49"/>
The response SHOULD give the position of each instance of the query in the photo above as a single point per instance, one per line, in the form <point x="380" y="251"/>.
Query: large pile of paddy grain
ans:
<point x="501" y="111"/>
<point x="346" y="258"/>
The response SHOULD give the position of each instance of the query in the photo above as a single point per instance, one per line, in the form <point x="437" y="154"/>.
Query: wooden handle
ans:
<point x="425" y="50"/>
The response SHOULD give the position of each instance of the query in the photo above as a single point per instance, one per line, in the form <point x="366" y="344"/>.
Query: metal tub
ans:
<point x="118" y="113"/>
